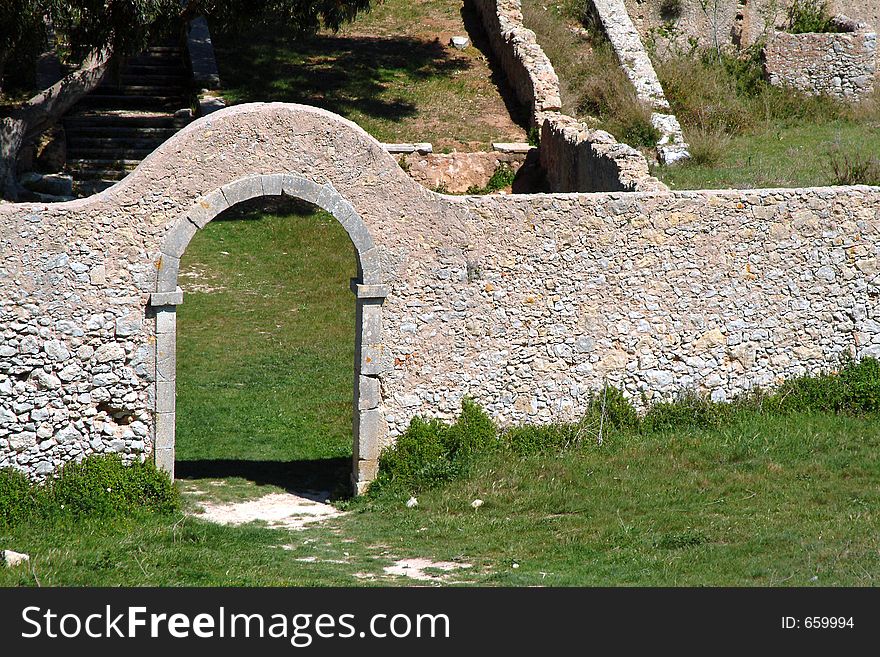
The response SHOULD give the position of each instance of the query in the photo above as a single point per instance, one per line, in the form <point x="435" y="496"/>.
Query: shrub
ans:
<point x="707" y="147"/>
<point x="18" y="501"/>
<point x="430" y="452"/>
<point x="99" y="486"/>
<point x="502" y="178"/>
<point x="854" y="168"/>
<point x="472" y="434"/>
<point x="804" y="16"/>
<point x="102" y="485"/>
<point x="612" y="411"/>
<point x="527" y="440"/>
<point x="690" y="410"/>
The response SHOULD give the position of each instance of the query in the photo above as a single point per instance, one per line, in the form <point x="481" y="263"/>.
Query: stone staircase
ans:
<point x="125" y="119"/>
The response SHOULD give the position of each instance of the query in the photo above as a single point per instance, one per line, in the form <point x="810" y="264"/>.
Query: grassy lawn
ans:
<point x="265" y="347"/>
<point x="787" y="501"/>
<point x="391" y="71"/>
<point x="777" y="156"/>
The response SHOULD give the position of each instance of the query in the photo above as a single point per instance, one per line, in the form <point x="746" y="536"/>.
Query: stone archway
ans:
<point x="369" y="424"/>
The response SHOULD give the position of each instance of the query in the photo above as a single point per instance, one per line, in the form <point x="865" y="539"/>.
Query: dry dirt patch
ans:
<point x="277" y="510"/>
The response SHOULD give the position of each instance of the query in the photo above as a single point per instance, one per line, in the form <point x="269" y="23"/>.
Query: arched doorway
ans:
<point x="369" y="426"/>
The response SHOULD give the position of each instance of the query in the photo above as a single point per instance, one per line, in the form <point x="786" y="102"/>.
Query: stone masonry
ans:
<point x="575" y="157"/>
<point x="527" y="303"/>
<point x="637" y="66"/>
<point x="838" y="64"/>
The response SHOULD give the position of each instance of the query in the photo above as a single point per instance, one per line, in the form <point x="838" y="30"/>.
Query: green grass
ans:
<point x="744" y="133"/>
<point x="788" y="156"/>
<point x="391" y="71"/>
<point x="266" y="339"/>
<point x="790" y="500"/>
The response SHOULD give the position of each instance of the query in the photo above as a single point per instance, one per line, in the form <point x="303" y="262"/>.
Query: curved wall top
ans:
<point x="526" y="303"/>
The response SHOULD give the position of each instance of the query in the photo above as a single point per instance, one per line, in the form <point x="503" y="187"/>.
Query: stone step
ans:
<point x="153" y="69"/>
<point x="86" y="172"/>
<point x="126" y="120"/>
<point x="138" y="90"/>
<point x="132" y="139"/>
<point x="123" y="150"/>
<point x="116" y="101"/>
<point x="94" y="186"/>
<point x="178" y="81"/>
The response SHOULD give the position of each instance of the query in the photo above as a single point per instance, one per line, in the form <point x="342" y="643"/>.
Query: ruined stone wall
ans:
<point x="578" y="159"/>
<point x="635" y="63"/>
<point x="728" y="22"/>
<point x="842" y="65"/>
<point x="527" y="303"/>
<point x="574" y="157"/>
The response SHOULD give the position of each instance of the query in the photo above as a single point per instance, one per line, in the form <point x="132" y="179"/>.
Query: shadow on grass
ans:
<point x="519" y="113"/>
<point x="341" y="74"/>
<point x="256" y="209"/>
<point x="331" y="474"/>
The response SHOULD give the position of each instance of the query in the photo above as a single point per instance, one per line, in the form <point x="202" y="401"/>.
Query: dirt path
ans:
<point x="277" y="510"/>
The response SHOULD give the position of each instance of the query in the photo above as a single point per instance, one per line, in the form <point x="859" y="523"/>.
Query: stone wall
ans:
<point x="578" y="159"/>
<point x="729" y="22"/>
<point x="527" y="303"/>
<point x="842" y="65"/>
<point x="638" y="68"/>
<point x="573" y="154"/>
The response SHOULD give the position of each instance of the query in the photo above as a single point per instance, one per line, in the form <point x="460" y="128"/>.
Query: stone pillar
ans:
<point x="165" y="305"/>
<point x="370" y="427"/>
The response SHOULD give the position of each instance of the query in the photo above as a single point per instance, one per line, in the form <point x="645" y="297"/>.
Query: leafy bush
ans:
<point x="690" y="410"/>
<point x="528" y="439"/>
<point x="430" y="452"/>
<point x="18" y="501"/>
<point x="804" y="16"/>
<point x="473" y="433"/>
<point x="104" y="485"/>
<point x="99" y="486"/>
<point x="502" y="177"/>
<point x="614" y="412"/>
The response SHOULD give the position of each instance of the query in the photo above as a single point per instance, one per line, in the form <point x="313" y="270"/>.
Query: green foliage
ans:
<point x="534" y="137"/>
<point x="689" y="411"/>
<point x="472" y="434"/>
<point x="854" y="390"/>
<point x="103" y="485"/>
<point x="430" y="452"/>
<point x="18" y="500"/>
<point x="527" y="440"/>
<point x="722" y="93"/>
<point x="100" y="486"/>
<point x="502" y="178"/>
<point x="127" y="26"/>
<point x="707" y="147"/>
<point x="804" y="16"/>
<point x="618" y="412"/>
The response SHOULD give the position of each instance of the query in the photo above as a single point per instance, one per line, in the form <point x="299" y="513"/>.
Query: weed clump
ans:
<point x="100" y="486"/>
<point x="431" y="452"/>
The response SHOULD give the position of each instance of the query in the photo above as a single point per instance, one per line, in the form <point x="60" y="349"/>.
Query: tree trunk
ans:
<point x="42" y="111"/>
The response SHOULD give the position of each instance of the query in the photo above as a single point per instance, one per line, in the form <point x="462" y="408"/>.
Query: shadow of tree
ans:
<point x="330" y="474"/>
<point x="343" y="74"/>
